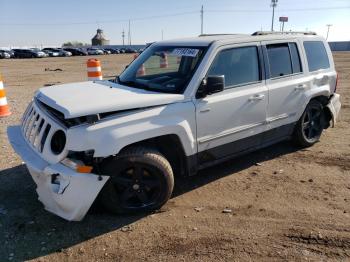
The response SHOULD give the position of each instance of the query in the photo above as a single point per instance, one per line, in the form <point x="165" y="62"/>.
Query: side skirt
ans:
<point x="237" y="148"/>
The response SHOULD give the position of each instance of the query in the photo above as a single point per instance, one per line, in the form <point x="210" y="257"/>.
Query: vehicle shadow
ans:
<point x="27" y="231"/>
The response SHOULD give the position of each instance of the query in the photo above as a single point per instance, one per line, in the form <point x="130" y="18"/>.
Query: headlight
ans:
<point x="58" y="142"/>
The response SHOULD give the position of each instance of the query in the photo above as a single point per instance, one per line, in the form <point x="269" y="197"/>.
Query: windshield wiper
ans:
<point x="134" y="84"/>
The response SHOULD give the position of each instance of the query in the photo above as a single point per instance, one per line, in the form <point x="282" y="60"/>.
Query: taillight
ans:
<point x="336" y="83"/>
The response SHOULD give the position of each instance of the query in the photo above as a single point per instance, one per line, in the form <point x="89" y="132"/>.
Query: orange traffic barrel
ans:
<point x="141" y="71"/>
<point x="163" y="62"/>
<point x="94" y="70"/>
<point x="4" y="108"/>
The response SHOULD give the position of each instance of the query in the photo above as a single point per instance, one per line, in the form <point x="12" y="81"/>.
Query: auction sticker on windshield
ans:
<point x="185" y="52"/>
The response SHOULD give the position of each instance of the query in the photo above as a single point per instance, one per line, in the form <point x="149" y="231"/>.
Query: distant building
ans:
<point x="99" y="38"/>
<point x="340" y="46"/>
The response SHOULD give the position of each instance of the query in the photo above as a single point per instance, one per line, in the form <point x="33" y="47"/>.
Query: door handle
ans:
<point x="205" y="110"/>
<point x="301" y="87"/>
<point x="257" y="97"/>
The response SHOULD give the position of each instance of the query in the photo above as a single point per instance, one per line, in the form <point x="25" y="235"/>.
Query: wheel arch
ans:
<point x="323" y="99"/>
<point x="172" y="148"/>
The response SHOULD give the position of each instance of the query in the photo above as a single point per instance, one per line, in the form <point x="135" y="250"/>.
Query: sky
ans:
<point x="51" y="23"/>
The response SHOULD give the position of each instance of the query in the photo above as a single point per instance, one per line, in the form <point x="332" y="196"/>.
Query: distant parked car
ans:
<point x="95" y="51"/>
<point x="130" y="51"/>
<point x="112" y="50"/>
<point x="106" y="51"/>
<point x="39" y="51"/>
<point x="51" y="53"/>
<point x="59" y="51"/>
<point x="76" y="51"/>
<point x="64" y="52"/>
<point x="4" y="54"/>
<point x="28" y="53"/>
<point x="10" y="52"/>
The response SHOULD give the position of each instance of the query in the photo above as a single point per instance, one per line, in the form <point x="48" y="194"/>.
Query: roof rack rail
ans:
<point x="215" y="34"/>
<point x="284" y="33"/>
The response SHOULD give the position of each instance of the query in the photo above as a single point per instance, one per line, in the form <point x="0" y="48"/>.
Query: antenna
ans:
<point x="273" y="5"/>
<point x="328" y="28"/>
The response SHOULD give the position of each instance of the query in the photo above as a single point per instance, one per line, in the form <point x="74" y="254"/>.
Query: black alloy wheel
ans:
<point x="309" y="128"/>
<point x="141" y="179"/>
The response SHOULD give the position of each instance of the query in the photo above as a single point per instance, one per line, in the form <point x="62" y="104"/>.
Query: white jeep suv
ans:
<point x="182" y="105"/>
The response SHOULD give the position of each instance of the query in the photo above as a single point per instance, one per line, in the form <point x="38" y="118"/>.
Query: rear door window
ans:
<point x="279" y="60"/>
<point x="284" y="59"/>
<point x="316" y="55"/>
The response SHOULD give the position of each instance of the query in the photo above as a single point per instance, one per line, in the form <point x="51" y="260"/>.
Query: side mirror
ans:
<point x="211" y="85"/>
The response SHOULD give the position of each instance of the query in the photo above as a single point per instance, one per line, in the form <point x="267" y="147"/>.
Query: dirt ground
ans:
<point x="293" y="205"/>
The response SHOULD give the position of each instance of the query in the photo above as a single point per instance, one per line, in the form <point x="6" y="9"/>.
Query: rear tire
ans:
<point x="141" y="180"/>
<point x="309" y="128"/>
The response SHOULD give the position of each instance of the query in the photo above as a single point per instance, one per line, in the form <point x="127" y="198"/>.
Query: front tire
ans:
<point x="309" y="128"/>
<point x="141" y="180"/>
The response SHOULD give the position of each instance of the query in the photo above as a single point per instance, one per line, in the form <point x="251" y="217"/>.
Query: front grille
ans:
<point x="37" y="129"/>
<point x="60" y="116"/>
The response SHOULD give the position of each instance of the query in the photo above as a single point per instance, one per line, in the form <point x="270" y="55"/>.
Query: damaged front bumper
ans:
<point x="63" y="191"/>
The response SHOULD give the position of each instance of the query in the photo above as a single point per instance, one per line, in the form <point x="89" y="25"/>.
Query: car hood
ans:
<point x="87" y="98"/>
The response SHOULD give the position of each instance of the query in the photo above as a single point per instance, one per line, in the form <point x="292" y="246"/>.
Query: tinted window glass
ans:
<point x="295" y="57"/>
<point x="279" y="59"/>
<point x="316" y="54"/>
<point x="238" y="65"/>
<point x="166" y="69"/>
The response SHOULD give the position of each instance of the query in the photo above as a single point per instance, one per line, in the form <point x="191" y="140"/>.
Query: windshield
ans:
<point x="165" y="69"/>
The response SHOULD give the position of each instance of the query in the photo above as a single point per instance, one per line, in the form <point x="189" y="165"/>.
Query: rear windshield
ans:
<point x="316" y="54"/>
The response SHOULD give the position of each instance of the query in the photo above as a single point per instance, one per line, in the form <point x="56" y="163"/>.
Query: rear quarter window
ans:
<point x="316" y="54"/>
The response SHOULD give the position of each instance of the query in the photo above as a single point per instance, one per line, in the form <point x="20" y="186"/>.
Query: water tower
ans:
<point x="99" y="38"/>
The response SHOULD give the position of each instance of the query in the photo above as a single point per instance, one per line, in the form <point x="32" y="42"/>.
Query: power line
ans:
<point x="202" y="17"/>
<point x="102" y="21"/>
<point x="177" y="14"/>
<point x="129" y="34"/>
<point x="280" y="10"/>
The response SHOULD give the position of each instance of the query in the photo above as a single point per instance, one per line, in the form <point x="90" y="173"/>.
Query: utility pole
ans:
<point x="123" y="36"/>
<point x="328" y="28"/>
<point x="202" y="18"/>
<point x="162" y="34"/>
<point x="273" y="5"/>
<point x="129" y="34"/>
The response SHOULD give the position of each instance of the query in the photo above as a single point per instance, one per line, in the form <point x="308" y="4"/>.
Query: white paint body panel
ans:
<point x="72" y="195"/>
<point x="109" y="136"/>
<point x="218" y="120"/>
<point x="86" y="98"/>
<point x="200" y="124"/>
